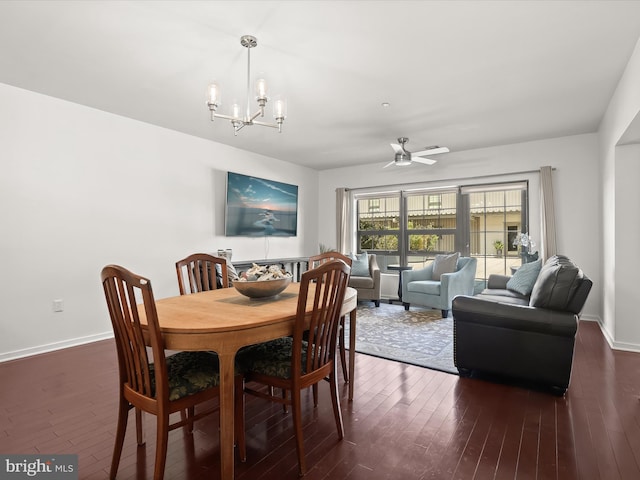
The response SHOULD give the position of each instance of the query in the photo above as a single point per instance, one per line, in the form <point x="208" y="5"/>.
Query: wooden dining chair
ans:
<point x="293" y="364"/>
<point x="170" y="384"/>
<point x="199" y="272"/>
<point x="314" y="262"/>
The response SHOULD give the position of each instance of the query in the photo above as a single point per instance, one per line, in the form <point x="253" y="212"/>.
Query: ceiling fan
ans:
<point x="405" y="157"/>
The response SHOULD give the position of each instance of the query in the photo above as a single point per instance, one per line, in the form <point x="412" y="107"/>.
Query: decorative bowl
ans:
<point x="262" y="288"/>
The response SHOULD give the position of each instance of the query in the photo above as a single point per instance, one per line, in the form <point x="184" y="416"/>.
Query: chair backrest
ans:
<point x="464" y="261"/>
<point x="123" y="290"/>
<point x="318" y="260"/>
<point x="323" y="287"/>
<point x="199" y="272"/>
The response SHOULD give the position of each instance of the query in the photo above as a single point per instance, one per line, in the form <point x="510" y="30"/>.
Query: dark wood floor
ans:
<point x="406" y="423"/>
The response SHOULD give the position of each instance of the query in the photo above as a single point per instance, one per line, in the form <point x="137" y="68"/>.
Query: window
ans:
<point x="379" y="226"/>
<point x="411" y="227"/>
<point x="431" y="221"/>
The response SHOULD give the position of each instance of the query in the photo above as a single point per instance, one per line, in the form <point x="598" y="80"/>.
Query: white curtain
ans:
<point x="344" y="221"/>
<point x="547" y="214"/>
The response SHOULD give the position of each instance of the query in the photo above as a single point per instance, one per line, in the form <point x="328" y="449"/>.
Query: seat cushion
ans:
<point x="498" y="296"/>
<point x="189" y="373"/>
<point x="271" y="358"/>
<point x="429" y="287"/>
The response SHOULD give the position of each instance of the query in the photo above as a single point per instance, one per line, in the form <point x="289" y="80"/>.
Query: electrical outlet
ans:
<point x="58" y="305"/>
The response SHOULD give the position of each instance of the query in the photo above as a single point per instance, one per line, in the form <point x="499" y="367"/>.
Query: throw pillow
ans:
<point x="360" y="265"/>
<point x="232" y="273"/>
<point x="444" y="264"/>
<point x="525" y="277"/>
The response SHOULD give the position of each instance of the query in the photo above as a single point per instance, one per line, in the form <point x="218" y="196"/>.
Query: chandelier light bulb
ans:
<point x="213" y="95"/>
<point x="235" y="108"/>
<point x="261" y="89"/>
<point x="279" y="109"/>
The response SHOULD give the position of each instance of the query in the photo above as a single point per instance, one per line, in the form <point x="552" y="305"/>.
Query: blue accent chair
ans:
<point x="419" y="288"/>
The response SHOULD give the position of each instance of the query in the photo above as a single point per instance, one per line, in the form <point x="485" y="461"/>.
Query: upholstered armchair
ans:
<point x="419" y="287"/>
<point x="367" y="282"/>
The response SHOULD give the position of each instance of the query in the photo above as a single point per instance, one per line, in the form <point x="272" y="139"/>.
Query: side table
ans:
<point x="399" y="269"/>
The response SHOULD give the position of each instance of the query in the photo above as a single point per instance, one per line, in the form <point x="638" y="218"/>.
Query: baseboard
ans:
<point x="626" y="347"/>
<point x="51" y="347"/>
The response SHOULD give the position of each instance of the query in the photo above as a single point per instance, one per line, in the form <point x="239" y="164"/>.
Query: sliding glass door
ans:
<point x="496" y="215"/>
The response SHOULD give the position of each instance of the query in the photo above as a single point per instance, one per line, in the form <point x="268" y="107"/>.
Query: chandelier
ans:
<point x="239" y="120"/>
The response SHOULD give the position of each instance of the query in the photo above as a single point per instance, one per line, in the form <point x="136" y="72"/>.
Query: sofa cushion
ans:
<point x="360" y="265"/>
<point x="430" y="287"/>
<point x="444" y="264"/>
<point x="504" y="296"/>
<point x="525" y="277"/>
<point x="557" y="283"/>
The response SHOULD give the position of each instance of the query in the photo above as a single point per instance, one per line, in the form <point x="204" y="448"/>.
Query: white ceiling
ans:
<point x="463" y="74"/>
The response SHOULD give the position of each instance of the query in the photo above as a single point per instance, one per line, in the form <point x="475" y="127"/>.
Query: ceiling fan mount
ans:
<point x="404" y="157"/>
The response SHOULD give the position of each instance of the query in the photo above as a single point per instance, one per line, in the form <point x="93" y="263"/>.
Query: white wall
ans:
<point x="619" y="170"/>
<point x="627" y="240"/>
<point x="81" y="188"/>
<point x="576" y="188"/>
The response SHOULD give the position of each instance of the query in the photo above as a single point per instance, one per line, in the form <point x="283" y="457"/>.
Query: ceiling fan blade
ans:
<point x="431" y="151"/>
<point x="397" y="148"/>
<point x="426" y="161"/>
<point x="389" y="164"/>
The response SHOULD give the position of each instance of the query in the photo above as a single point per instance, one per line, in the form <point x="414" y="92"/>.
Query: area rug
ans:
<point x="419" y="336"/>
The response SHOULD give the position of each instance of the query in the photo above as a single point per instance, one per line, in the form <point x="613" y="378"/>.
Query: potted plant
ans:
<point x="499" y="246"/>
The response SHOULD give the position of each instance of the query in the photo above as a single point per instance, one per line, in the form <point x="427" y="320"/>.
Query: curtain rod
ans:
<point x="399" y="185"/>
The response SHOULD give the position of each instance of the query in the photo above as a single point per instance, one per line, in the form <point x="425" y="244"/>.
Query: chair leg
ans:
<point x="335" y="400"/>
<point x="123" y="415"/>
<point x="315" y="394"/>
<point x="285" y="407"/>
<point x="239" y="419"/>
<point x="162" y="441"/>
<point x="140" y="427"/>
<point x="296" y="405"/>
<point x="406" y="305"/>
<point x="445" y="313"/>
<point x="343" y="357"/>
<point x="191" y="411"/>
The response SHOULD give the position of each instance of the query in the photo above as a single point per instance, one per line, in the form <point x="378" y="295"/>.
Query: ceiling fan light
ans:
<point x="402" y="161"/>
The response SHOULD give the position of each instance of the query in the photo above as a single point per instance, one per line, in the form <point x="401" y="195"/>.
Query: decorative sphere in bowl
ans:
<point x="262" y="288"/>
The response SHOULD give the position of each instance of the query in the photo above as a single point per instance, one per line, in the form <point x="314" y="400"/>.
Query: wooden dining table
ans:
<point x="223" y="321"/>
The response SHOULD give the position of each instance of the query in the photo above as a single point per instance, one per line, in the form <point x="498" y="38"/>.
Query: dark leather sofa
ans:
<point x="523" y="337"/>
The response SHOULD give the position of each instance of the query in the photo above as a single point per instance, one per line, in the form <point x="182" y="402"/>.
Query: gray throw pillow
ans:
<point x="525" y="278"/>
<point x="360" y="265"/>
<point x="444" y="264"/>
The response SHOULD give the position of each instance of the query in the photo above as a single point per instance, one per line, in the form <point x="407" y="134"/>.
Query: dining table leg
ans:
<point x="352" y="351"/>
<point x="227" y="372"/>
